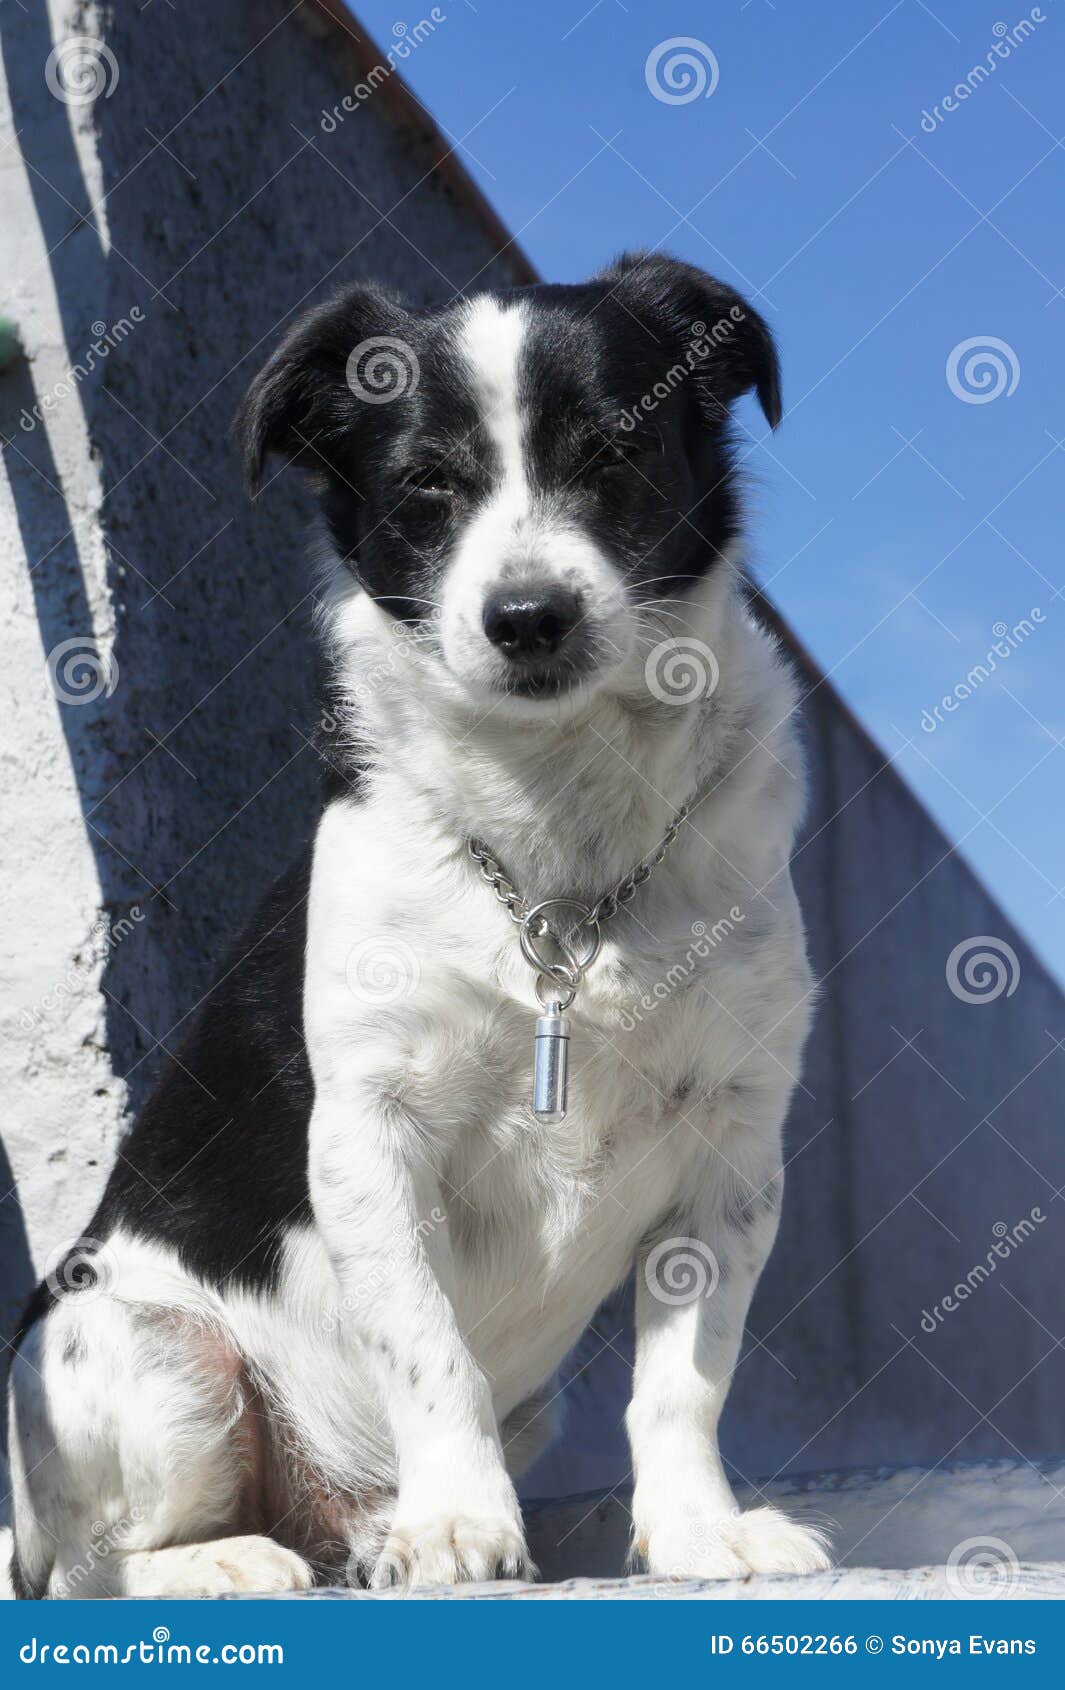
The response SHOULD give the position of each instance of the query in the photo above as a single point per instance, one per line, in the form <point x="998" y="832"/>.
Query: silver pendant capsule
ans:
<point x="551" y="1064"/>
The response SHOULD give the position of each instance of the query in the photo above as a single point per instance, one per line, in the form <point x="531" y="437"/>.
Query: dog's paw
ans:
<point x="689" y="1549"/>
<point x="765" y="1540"/>
<point x="452" y="1550"/>
<point x="771" y="1542"/>
<point x="256" y="1565"/>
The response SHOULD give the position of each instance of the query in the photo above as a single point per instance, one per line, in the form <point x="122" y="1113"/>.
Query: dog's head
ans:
<point x="524" y="475"/>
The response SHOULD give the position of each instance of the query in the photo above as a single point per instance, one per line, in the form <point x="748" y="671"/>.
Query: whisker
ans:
<point x="654" y="580"/>
<point x="675" y="616"/>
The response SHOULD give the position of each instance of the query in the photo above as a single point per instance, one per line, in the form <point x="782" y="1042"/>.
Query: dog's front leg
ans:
<point x="695" y="1279"/>
<point x="378" y="1205"/>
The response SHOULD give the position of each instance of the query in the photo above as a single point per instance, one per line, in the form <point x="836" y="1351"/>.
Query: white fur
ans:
<point x="460" y="1246"/>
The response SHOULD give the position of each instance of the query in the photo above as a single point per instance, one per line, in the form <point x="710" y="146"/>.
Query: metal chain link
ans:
<point x="492" y="874"/>
<point x="517" y="907"/>
<point x="627" y="887"/>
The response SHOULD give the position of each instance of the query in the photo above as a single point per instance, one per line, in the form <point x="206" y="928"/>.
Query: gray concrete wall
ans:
<point x="166" y="804"/>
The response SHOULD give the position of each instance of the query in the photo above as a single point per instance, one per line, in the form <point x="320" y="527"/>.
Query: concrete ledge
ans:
<point x="1044" y="1584"/>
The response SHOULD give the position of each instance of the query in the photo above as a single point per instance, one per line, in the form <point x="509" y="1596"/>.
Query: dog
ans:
<point x="314" y="1328"/>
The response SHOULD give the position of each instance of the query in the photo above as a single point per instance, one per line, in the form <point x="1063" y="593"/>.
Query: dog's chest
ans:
<point x="451" y="1018"/>
<point x="641" y="1087"/>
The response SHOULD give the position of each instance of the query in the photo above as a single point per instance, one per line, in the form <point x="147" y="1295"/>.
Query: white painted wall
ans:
<point x="63" y="1106"/>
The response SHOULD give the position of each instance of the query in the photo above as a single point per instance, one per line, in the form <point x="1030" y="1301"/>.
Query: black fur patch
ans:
<point x="216" y="1165"/>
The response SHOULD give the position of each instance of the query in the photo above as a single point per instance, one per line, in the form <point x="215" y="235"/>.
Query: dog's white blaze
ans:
<point x="491" y="342"/>
<point x="517" y="535"/>
<point x="496" y="541"/>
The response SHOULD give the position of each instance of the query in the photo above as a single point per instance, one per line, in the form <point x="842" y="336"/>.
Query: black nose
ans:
<point x="530" y="622"/>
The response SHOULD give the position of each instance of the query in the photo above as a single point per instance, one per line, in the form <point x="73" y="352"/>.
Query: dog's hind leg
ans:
<point x="133" y="1455"/>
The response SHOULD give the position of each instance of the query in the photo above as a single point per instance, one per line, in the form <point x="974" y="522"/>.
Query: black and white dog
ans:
<point x="315" y="1324"/>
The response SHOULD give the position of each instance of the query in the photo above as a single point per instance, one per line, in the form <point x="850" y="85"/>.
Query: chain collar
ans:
<point x="576" y="947"/>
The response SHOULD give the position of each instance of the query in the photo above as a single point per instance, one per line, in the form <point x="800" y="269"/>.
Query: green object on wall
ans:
<point x="10" y="347"/>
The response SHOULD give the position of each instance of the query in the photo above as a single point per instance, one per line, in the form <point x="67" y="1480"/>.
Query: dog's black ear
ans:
<point x="732" y="347"/>
<point x="303" y="401"/>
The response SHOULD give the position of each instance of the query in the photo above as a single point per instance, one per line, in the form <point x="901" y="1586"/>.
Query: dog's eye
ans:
<point x="436" y="484"/>
<point x="606" y="469"/>
<point x="426" y="505"/>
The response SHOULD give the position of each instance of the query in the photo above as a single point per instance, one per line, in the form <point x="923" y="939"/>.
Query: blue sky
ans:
<point x="903" y="513"/>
